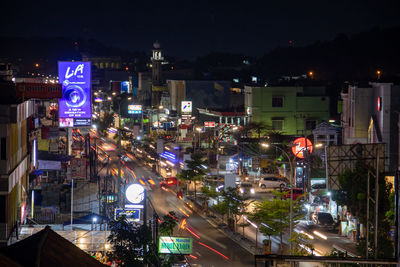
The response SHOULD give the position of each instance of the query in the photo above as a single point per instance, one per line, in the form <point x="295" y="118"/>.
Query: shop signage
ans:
<point x="209" y="124"/>
<point x="135" y="193"/>
<point x="300" y="145"/>
<point x="175" y="245"/>
<point x="131" y="214"/>
<point x="134" y="109"/>
<point x="186" y="106"/>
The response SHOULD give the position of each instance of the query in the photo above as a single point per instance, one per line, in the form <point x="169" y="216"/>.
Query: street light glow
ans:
<point x="265" y="144"/>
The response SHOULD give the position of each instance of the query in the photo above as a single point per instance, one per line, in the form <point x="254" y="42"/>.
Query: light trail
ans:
<point x="183" y="224"/>
<point x="181" y="210"/>
<point x="204" y="245"/>
<point x="193" y="233"/>
<point x="193" y="256"/>
<point x="307" y="234"/>
<point x="320" y="235"/>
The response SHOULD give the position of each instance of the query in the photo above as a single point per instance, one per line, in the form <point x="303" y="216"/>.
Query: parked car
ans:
<point x="323" y="219"/>
<point x="169" y="181"/>
<point x="272" y="182"/>
<point x="247" y="189"/>
<point x="297" y="192"/>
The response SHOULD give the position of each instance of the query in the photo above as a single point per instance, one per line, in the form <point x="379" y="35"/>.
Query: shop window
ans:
<point x="277" y="101"/>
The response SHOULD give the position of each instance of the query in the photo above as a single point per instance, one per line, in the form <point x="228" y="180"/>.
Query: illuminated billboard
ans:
<point x="134" y="109"/>
<point x="125" y="88"/>
<point x="175" y="245"/>
<point x="75" y="104"/>
<point x="186" y="106"/>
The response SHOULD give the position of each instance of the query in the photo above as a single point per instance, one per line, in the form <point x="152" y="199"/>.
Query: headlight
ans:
<point x="252" y="191"/>
<point x="241" y="190"/>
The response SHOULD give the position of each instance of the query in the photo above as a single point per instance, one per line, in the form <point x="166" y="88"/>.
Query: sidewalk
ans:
<point x="219" y="224"/>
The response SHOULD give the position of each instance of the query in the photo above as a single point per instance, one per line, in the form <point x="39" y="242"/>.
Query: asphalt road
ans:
<point x="211" y="247"/>
<point x="216" y="241"/>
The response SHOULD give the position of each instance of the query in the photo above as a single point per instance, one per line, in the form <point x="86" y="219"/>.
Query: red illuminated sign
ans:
<point x="379" y="103"/>
<point x="209" y="124"/>
<point x="300" y="145"/>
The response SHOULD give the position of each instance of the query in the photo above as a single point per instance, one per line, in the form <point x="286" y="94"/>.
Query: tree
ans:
<point x="274" y="215"/>
<point x="234" y="204"/>
<point x="132" y="244"/>
<point x="168" y="224"/>
<point x="196" y="168"/>
<point x="355" y="198"/>
<point x="104" y="122"/>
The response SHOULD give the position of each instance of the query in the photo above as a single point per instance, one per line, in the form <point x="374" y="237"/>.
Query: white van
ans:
<point x="272" y="182"/>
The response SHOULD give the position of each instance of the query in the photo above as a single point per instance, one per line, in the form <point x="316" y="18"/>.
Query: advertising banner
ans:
<point x="75" y="104"/>
<point x="134" y="109"/>
<point x="125" y="88"/>
<point x="39" y="90"/>
<point x="131" y="214"/>
<point x="175" y="245"/>
<point x="78" y="168"/>
<point x="186" y="106"/>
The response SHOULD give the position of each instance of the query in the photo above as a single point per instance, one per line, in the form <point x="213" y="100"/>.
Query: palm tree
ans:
<point x="196" y="168"/>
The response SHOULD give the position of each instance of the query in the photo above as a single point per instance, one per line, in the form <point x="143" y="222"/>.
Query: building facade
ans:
<point x="14" y="165"/>
<point x="371" y="115"/>
<point x="291" y="110"/>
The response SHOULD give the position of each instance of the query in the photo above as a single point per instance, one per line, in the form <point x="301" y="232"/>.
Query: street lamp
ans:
<point x="266" y="145"/>
<point x="199" y="130"/>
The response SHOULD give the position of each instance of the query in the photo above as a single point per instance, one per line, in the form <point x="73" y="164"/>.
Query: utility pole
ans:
<point x="367" y="236"/>
<point x="376" y="205"/>
<point x="72" y="201"/>
<point x="119" y="157"/>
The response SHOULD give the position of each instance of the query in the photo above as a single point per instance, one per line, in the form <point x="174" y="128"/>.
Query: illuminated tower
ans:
<point x="156" y="60"/>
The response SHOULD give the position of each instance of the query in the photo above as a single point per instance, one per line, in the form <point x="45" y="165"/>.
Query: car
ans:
<point x="319" y="186"/>
<point x="126" y="158"/>
<point x="246" y="189"/>
<point x="297" y="192"/>
<point x="272" y="182"/>
<point x="169" y="181"/>
<point x="323" y="219"/>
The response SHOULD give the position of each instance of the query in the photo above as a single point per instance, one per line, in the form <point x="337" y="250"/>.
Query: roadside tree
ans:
<point x="273" y="215"/>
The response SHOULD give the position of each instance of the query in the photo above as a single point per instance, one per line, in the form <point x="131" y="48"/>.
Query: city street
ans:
<point x="210" y="246"/>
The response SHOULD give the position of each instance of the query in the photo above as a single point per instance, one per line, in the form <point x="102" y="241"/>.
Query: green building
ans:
<point x="294" y="110"/>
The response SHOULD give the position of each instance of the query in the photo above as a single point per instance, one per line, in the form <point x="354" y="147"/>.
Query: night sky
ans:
<point x="190" y="28"/>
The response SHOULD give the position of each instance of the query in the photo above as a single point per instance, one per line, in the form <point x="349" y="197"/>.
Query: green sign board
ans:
<point x="175" y="245"/>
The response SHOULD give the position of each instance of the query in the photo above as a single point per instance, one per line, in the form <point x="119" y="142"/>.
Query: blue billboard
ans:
<point x="131" y="214"/>
<point x="75" y="108"/>
<point x="125" y="87"/>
